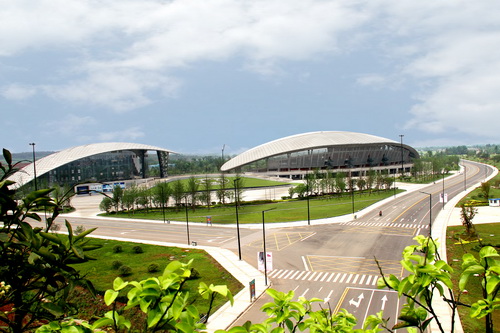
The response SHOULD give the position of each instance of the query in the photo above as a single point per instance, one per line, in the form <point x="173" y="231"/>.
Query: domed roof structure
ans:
<point x="58" y="159"/>
<point x="310" y="141"/>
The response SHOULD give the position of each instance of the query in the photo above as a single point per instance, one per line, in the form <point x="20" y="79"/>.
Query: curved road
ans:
<point x="334" y="262"/>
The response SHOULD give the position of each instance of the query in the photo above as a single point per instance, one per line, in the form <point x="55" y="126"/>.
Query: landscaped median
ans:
<point x="282" y="211"/>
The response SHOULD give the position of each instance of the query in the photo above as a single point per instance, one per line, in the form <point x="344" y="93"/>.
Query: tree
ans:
<point x="35" y="275"/>
<point x="192" y="190"/>
<point x="221" y="191"/>
<point x="177" y="194"/>
<point x="485" y="188"/>
<point x="340" y="183"/>
<point x="207" y="191"/>
<point x="117" y="197"/>
<point x="467" y="214"/>
<point x="129" y="198"/>
<point x="106" y="204"/>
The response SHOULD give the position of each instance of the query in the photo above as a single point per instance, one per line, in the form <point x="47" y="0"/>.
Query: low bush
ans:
<point x="137" y="249"/>
<point x="152" y="268"/>
<point x="117" y="249"/>
<point x="125" y="270"/>
<point x="116" y="264"/>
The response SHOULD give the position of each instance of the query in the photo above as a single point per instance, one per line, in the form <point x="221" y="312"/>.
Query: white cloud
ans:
<point x="128" y="48"/>
<point x="17" y="91"/>
<point x="70" y="125"/>
<point x="127" y="135"/>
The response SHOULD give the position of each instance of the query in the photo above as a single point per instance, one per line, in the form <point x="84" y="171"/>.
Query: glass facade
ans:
<point x="338" y="157"/>
<point x="117" y="165"/>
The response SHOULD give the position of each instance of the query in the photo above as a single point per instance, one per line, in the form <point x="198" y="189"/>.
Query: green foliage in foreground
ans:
<point x="166" y="309"/>
<point x="103" y="271"/>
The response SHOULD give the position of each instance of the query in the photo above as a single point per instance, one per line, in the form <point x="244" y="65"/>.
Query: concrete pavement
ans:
<point x="87" y="206"/>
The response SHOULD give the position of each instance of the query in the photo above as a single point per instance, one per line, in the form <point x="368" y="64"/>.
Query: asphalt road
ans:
<point x="334" y="262"/>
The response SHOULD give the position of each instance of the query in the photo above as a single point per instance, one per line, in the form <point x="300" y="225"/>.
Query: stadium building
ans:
<point x="99" y="162"/>
<point x="294" y="156"/>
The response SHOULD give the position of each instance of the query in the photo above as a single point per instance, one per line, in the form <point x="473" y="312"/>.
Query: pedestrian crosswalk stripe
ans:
<point x="326" y="277"/>
<point x="384" y="224"/>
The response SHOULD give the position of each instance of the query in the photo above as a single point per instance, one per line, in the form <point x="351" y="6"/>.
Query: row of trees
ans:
<point x="323" y="183"/>
<point x="194" y="192"/>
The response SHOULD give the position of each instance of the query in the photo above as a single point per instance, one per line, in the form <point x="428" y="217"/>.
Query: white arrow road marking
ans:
<point x="384" y="299"/>
<point x="328" y="297"/>
<point x="356" y="304"/>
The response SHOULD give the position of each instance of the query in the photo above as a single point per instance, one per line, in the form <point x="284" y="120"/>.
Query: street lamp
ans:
<point x="308" y="180"/>
<point x="430" y="212"/>
<point x="34" y="164"/>
<point x="236" y="202"/>
<point x="402" y="157"/>
<point x="187" y="220"/>
<point x="443" y="189"/>
<point x="264" y="243"/>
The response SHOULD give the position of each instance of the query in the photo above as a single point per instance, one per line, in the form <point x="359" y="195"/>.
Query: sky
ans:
<point x="199" y="76"/>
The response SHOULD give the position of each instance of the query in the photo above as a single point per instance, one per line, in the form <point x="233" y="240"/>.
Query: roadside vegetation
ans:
<point x="458" y="243"/>
<point x="326" y="195"/>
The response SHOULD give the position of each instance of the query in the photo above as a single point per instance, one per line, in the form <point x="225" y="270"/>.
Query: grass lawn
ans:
<point x="478" y="196"/>
<point x="490" y="235"/>
<point x="246" y="182"/>
<point x="284" y="211"/>
<point x="102" y="273"/>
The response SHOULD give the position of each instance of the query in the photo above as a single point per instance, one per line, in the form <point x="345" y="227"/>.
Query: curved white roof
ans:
<point x="53" y="161"/>
<point x="303" y="142"/>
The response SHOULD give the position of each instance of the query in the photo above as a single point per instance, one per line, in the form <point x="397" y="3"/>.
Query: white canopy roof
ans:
<point x="303" y="142"/>
<point x="53" y="161"/>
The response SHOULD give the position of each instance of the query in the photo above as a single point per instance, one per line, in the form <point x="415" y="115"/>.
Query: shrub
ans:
<point x="116" y="264"/>
<point x="137" y="249"/>
<point x="79" y="229"/>
<point x="152" y="268"/>
<point x="125" y="270"/>
<point x="117" y="249"/>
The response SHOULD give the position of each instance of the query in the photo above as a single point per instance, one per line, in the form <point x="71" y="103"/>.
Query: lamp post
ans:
<point x="443" y="191"/>
<point x="34" y="164"/>
<point x="236" y="202"/>
<point x="264" y="243"/>
<point x="402" y="156"/>
<point x="187" y="221"/>
<point x="308" y="181"/>
<point x="430" y="211"/>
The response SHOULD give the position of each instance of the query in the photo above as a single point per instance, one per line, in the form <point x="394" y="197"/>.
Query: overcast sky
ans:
<point x="194" y="75"/>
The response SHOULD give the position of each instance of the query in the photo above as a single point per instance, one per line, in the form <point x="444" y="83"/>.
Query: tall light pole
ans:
<point x="443" y="190"/>
<point x="34" y="164"/>
<point x="430" y="212"/>
<point x="187" y="220"/>
<point x="236" y="202"/>
<point x="264" y="243"/>
<point x="402" y="157"/>
<point x="308" y="181"/>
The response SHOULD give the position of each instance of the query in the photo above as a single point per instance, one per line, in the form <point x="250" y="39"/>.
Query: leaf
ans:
<point x="110" y="296"/>
<point x="51" y="237"/>
<point x="488" y="251"/>
<point x="56" y="310"/>
<point x="119" y="284"/>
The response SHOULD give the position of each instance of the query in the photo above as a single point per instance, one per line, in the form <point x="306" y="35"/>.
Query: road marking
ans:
<point x="304" y="293"/>
<point x="297" y="272"/>
<point x="306" y="275"/>
<point x="313" y="274"/>
<point x="355" y="278"/>
<point x="349" y="278"/>
<point x="362" y="279"/>
<point x="303" y="239"/>
<point x="337" y="277"/>
<point x="319" y="275"/>
<point x="298" y="277"/>
<point x="286" y="276"/>
<point x="330" y="278"/>
<point x="305" y="263"/>
<point x="343" y="278"/>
